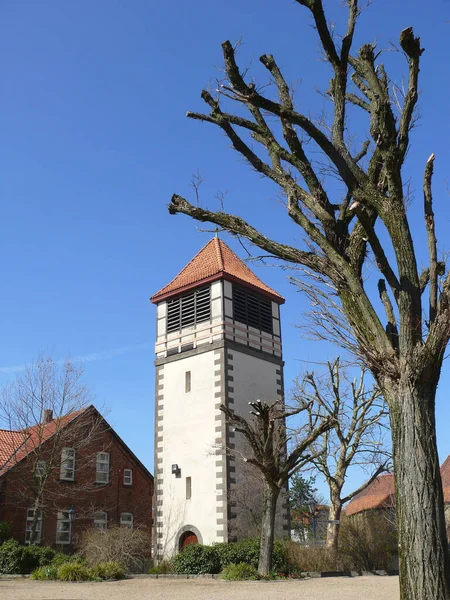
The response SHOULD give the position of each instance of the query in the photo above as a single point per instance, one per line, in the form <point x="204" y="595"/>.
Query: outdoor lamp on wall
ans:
<point x="175" y="469"/>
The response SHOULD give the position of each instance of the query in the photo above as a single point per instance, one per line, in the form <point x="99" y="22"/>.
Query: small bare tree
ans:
<point x="267" y="441"/>
<point x="355" y="439"/>
<point x="46" y="410"/>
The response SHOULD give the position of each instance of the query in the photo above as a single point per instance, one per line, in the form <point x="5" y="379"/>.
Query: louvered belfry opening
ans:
<point x="252" y="309"/>
<point x="189" y="309"/>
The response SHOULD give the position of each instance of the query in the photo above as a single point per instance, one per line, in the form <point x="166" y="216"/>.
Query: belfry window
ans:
<point x="252" y="309"/>
<point x="189" y="309"/>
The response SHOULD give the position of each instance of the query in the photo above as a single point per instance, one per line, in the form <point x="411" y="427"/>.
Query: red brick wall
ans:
<point x="84" y="494"/>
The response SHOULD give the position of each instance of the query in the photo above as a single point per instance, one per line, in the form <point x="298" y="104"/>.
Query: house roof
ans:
<point x="16" y="445"/>
<point x="445" y="476"/>
<point x="379" y="494"/>
<point x="214" y="261"/>
<point x="10" y="441"/>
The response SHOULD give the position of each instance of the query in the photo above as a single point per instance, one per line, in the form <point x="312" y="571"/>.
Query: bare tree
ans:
<point x="266" y="439"/>
<point x="45" y="411"/>
<point x="357" y="437"/>
<point x="304" y="158"/>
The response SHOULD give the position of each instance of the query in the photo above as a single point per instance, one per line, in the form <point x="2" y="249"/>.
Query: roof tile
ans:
<point x="214" y="261"/>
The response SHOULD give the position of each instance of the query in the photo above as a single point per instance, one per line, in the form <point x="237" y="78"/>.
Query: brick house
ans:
<point x="92" y="479"/>
<point x="380" y="495"/>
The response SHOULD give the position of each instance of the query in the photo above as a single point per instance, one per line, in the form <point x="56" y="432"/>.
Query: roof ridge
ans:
<point x="184" y="268"/>
<point x="219" y="253"/>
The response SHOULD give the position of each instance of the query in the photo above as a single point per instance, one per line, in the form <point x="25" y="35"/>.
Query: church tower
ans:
<point x="218" y="341"/>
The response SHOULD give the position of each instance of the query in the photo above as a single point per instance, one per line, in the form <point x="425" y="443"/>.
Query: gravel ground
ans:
<point x="341" y="588"/>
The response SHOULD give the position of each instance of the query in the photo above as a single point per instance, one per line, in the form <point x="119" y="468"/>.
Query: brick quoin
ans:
<point x="83" y="494"/>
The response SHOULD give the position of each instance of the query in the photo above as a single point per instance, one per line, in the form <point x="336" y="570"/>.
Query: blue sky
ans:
<point x="95" y="141"/>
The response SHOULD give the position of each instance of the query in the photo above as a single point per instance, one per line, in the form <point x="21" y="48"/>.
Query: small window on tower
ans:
<point x="188" y="488"/>
<point x="187" y="381"/>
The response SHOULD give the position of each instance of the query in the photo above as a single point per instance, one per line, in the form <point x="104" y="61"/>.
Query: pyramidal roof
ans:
<point x="214" y="261"/>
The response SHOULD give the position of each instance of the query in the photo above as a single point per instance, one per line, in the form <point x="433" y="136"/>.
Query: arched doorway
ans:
<point x="186" y="539"/>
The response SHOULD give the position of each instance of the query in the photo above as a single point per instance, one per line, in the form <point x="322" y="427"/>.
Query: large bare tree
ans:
<point x="267" y="450"/>
<point x="46" y="410"/>
<point x="357" y="438"/>
<point x="402" y="338"/>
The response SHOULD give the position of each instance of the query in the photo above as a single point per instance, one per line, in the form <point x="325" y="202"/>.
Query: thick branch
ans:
<point x="238" y="226"/>
<point x="431" y="235"/>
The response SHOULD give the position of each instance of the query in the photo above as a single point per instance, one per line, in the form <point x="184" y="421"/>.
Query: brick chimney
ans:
<point x="48" y="415"/>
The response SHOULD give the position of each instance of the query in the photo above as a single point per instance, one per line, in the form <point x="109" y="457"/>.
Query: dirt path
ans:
<point x="333" y="588"/>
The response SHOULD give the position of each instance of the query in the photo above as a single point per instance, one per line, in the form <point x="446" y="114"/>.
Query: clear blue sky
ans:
<point x="95" y="141"/>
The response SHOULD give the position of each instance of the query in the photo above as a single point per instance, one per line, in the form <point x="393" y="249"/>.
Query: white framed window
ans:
<point x="127" y="477"/>
<point x="67" y="464"/>
<point x="29" y="526"/>
<point x="102" y="467"/>
<point x="101" y="520"/>
<point x="126" y="520"/>
<point x="63" y="527"/>
<point x="41" y="467"/>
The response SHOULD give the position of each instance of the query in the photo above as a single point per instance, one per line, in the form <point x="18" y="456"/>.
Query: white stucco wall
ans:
<point x="188" y="440"/>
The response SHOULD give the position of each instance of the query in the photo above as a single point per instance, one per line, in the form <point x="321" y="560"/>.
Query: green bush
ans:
<point x="247" y="551"/>
<point x="5" y="531"/>
<point x="18" y="559"/>
<point x="239" y="572"/>
<point x="73" y="571"/>
<point x="163" y="568"/>
<point x="60" y="558"/>
<point x="196" y="559"/>
<point x="45" y="573"/>
<point x="109" y="570"/>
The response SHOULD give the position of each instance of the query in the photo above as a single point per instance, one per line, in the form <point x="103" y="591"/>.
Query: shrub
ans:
<point x="109" y="570"/>
<point x="129" y="547"/>
<point x="315" y="558"/>
<point x="239" y="572"/>
<point x="196" y="559"/>
<point x="61" y="558"/>
<point x="247" y="551"/>
<point x="45" y="573"/>
<point x="73" y="571"/>
<point x="164" y="567"/>
<point x="5" y="531"/>
<point x="18" y="559"/>
<point x="38" y="556"/>
<point x="368" y="541"/>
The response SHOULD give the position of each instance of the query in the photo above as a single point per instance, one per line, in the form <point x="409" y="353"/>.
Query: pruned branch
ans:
<point x="431" y="236"/>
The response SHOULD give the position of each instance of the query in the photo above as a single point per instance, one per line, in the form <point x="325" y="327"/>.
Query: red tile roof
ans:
<point x="16" y="445"/>
<point x="445" y="475"/>
<point x="10" y="441"/>
<point x="214" y="261"/>
<point x="380" y="493"/>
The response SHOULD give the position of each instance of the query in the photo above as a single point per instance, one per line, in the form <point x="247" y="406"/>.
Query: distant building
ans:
<point x="218" y="342"/>
<point x="380" y="494"/>
<point x="94" y="478"/>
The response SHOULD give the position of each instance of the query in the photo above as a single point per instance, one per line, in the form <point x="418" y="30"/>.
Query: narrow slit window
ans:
<point x="188" y="488"/>
<point x="187" y="382"/>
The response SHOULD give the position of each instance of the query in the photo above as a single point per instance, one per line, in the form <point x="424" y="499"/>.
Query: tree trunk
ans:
<point x="423" y="550"/>
<point x="268" y="528"/>
<point x="35" y="524"/>
<point x="333" y="528"/>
